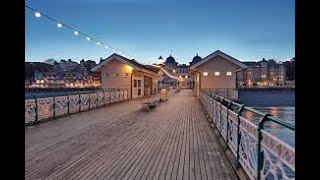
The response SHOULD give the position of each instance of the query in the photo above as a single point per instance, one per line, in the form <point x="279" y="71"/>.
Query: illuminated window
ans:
<point x="263" y="76"/>
<point x="217" y="73"/>
<point x="42" y="81"/>
<point x="205" y="73"/>
<point x="38" y="81"/>
<point x="229" y="73"/>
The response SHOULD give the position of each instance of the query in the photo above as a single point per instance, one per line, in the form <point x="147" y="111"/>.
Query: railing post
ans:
<point x="89" y="100"/>
<point x="54" y="105"/>
<point x="68" y="103"/>
<point x="259" y="150"/>
<point x="79" y="102"/>
<point x="104" y="98"/>
<point x="97" y="100"/>
<point x="239" y="135"/>
<point x="36" y="107"/>
<point x="222" y="99"/>
<point x="228" y="108"/>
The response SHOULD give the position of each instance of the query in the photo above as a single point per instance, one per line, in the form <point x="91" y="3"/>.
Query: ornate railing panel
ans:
<point x="223" y="122"/>
<point x="261" y="154"/>
<point x="61" y="105"/>
<point x="279" y="158"/>
<point x="45" y="108"/>
<point x="93" y="100"/>
<point x="84" y="102"/>
<point x="107" y="97"/>
<point x="100" y="98"/>
<point x="117" y="96"/>
<point x="248" y="147"/>
<point x="233" y="131"/>
<point x="30" y="110"/>
<point x="74" y="105"/>
<point x="120" y="95"/>
<point x="112" y="96"/>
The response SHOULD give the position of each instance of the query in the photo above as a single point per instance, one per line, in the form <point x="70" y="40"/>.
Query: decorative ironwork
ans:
<point x="45" y="108"/>
<point x="84" y="99"/>
<point x="73" y="103"/>
<point x="278" y="158"/>
<point x="107" y="97"/>
<point x="30" y="110"/>
<point x="93" y="100"/>
<point x="100" y="99"/>
<point x="49" y="107"/>
<point x="61" y="105"/>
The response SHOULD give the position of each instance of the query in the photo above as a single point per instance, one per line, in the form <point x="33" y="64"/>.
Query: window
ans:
<point x="135" y="83"/>
<point x="217" y="73"/>
<point x="126" y="74"/>
<point x="37" y="81"/>
<point x="263" y="76"/>
<point x="229" y="73"/>
<point x="205" y="73"/>
<point x="42" y="81"/>
<point x="107" y="75"/>
<point x="139" y="83"/>
<point x="116" y="74"/>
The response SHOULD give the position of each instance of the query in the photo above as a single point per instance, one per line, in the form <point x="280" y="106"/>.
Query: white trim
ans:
<point x="123" y="60"/>
<point x="222" y="54"/>
<point x="110" y="58"/>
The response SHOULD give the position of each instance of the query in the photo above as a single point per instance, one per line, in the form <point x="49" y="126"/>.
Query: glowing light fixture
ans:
<point x="59" y="25"/>
<point x="98" y="43"/>
<point x="88" y="38"/>
<point x="76" y="32"/>
<point x="205" y="73"/>
<point x="37" y="14"/>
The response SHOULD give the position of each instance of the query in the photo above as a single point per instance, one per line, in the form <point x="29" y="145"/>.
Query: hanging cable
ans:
<point x="76" y="32"/>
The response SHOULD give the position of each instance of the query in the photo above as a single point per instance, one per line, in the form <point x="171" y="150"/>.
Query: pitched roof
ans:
<point x="222" y="54"/>
<point x="122" y="59"/>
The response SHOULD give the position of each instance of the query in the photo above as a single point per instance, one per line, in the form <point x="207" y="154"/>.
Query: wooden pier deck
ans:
<point x="172" y="141"/>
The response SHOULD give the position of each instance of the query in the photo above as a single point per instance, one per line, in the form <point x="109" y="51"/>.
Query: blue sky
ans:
<point x="245" y="29"/>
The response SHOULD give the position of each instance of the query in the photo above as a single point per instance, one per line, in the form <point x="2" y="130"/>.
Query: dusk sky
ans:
<point x="248" y="30"/>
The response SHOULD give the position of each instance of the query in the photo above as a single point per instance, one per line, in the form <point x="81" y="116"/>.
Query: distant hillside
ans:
<point x="50" y="61"/>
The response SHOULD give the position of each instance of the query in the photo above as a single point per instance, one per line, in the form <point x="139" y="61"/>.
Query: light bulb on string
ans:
<point x="88" y="38"/>
<point x="106" y="47"/>
<point x="37" y="14"/>
<point x="59" y="25"/>
<point x="98" y="43"/>
<point x="76" y="32"/>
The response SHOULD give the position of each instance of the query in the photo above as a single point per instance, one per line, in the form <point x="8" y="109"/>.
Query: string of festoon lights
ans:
<point x="77" y="32"/>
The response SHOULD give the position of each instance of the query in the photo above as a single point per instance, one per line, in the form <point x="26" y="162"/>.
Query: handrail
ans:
<point x="34" y="110"/>
<point x="270" y="118"/>
<point x="243" y="133"/>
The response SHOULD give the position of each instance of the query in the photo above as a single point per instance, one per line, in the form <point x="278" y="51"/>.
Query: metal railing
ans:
<point x="231" y="94"/>
<point x="41" y="107"/>
<point x="261" y="154"/>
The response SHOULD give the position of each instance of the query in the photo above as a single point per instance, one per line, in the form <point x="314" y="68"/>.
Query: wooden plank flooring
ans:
<point x="172" y="141"/>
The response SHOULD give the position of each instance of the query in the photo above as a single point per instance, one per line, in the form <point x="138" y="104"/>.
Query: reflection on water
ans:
<point x="284" y="113"/>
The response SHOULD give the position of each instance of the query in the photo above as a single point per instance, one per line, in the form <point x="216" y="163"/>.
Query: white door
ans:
<point x="136" y="86"/>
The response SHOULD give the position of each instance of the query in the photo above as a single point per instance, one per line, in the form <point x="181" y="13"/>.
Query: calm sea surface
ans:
<point x="284" y="113"/>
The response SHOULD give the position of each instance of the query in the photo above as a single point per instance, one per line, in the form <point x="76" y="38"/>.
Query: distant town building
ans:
<point x="52" y="74"/>
<point x="262" y="74"/>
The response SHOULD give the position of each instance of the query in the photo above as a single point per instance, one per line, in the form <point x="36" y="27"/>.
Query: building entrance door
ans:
<point x="136" y="86"/>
